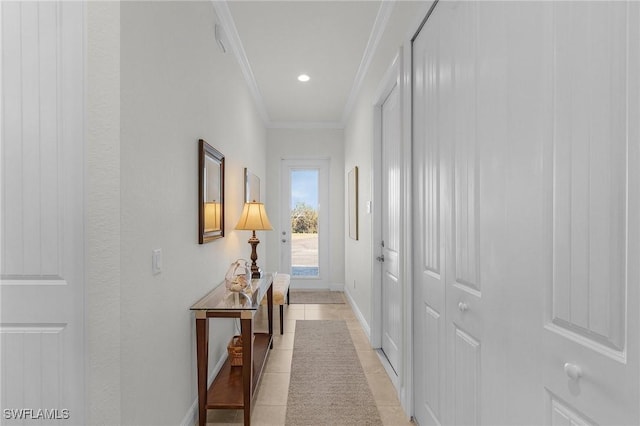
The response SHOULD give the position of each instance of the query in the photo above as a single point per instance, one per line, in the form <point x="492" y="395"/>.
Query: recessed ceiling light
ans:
<point x="304" y="78"/>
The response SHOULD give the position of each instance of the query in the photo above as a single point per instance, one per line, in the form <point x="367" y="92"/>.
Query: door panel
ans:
<point x="461" y="150"/>
<point x="42" y="269"/>
<point x="432" y="365"/>
<point x="592" y="303"/>
<point x="392" y="290"/>
<point x="429" y="293"/>
<point x="590" y="170"/>
<point x="467" y="379"/>
<point x="563" y="415"/>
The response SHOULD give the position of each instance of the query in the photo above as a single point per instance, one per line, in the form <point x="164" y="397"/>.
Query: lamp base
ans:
<point x="256" y="273"/>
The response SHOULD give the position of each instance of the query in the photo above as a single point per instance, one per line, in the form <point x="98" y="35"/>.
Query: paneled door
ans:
<point x="42" y="256"/>
<point x="429" y="228"/>
<point x="590" y="339"/>
<point x="392" y="287"/>
<point x="526" y="204"/>
<point x="454" y="224"/>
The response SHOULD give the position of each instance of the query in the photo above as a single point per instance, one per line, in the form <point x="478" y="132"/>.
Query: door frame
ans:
<point x="394" y="76"/>
<point x="323" y="164"/>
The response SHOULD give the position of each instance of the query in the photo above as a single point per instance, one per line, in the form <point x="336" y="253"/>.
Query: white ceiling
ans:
<point x="275" y="41"/>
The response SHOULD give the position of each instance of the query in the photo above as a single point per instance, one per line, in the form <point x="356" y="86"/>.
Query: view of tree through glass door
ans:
<point x="304" y="223"/>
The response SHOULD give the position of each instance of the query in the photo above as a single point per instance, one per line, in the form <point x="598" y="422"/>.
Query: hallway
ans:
<point x="515" y="163"/>
<point x="271" y="400"/>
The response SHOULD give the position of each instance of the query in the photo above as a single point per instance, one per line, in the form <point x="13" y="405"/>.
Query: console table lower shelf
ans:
<point x="227" y="390"/>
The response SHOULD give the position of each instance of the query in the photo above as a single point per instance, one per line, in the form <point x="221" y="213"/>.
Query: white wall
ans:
<point x="359" y="138"/>
<point x="305" y="144"/>
<point x="176" y="87"/>
<point x="102" y="226"/>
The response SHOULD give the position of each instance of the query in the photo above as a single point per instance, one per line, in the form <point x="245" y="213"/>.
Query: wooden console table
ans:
<point x="233" y="387"/>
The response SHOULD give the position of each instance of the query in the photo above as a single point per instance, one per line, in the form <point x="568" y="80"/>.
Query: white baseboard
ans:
<point x="313" y="285"/>
<point x="359" y="316"/>
<point x="336" y="287"/>
<point x="191" y="417"/>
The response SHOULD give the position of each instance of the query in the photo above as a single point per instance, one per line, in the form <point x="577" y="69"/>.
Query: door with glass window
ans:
<point x="304" y="224"/>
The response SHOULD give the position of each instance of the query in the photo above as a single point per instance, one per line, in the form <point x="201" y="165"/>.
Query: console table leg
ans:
<point x="246" y="327"/>
<point x="202" y="342"/>
<point x="270" y="312"/>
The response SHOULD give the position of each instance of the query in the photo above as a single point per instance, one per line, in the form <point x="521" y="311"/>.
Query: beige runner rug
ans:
<point x="328" y="385"/>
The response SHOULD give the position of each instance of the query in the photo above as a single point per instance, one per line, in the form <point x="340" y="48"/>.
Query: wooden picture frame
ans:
<point x="210" y="193"/>
<point x="352" y="190"/>
<point x="251" y="187"/>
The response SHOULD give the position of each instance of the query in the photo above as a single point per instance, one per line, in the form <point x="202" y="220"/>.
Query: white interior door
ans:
<point x="526" y="153"/>
<point x="392" y="288"/>
<point x="304" y="222"/>
<point x="452" y="252"/>
<point x="429" y="226"/>
<point x="590" y="339"/>
<point x="42" y="260"/>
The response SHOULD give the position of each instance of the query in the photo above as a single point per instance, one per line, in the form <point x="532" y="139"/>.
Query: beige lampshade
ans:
<point x="212" y="214"/>
<point x="254" y="218"/>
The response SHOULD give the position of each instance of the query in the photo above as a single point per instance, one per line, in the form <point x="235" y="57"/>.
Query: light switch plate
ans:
<point x="156" y="261"/>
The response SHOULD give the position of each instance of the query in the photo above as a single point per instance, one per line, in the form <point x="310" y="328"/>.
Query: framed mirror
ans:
<point x="210" y="193"/>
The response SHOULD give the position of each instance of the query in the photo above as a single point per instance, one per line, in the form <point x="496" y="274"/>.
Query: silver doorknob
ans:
<point x="573" y="371"/>
<point x="463" y="306"/>
<point x="380" y="258"/>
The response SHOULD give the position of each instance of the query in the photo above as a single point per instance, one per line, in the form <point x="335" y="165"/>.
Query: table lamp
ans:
<point x="254" y="218"/>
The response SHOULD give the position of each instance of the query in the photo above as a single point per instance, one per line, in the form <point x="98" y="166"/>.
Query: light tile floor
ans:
<point x="270" y="403"/>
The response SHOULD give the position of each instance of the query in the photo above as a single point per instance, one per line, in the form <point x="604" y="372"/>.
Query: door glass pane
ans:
<point x="304" y="223"/>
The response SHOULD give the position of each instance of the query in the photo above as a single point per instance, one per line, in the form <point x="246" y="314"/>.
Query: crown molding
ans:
<point x="380" y="24"/>
<point x="229" y="27"/>
<point x="306" y="125"/>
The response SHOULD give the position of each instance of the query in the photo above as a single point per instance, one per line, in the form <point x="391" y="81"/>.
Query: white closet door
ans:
<point x="526" y="156"/>
<point x="42" y="262"/>
<point x="589" y="348"/>
<point x="453" y="253"/>
<point x="428" y="247"/>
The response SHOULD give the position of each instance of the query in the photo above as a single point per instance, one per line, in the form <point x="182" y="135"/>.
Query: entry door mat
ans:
<point x="315" y="297"/>
<point x="328" y="385"/>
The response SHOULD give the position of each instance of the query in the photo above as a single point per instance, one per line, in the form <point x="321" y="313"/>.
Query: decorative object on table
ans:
<point x="254" y="218"/>
<point x="353" y="203"/>
<point x="234" y="349"/>
<point x="251" y="187"/>
<point x="210" y="193"/>
<point x="238" y="276"/>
